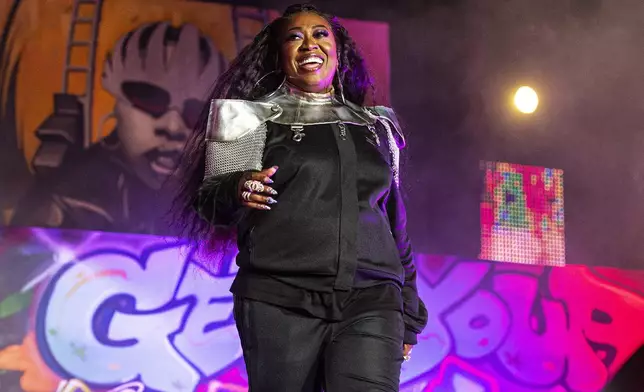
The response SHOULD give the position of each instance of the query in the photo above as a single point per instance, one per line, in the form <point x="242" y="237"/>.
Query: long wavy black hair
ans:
<point x="254" y="73"/>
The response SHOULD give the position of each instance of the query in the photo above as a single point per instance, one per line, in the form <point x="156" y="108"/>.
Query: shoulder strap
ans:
<point x="230" y="119"/>
<point x="387" y="114"/>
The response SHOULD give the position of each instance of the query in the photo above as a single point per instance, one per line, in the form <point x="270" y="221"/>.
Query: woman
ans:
<point x="325" y="296"/>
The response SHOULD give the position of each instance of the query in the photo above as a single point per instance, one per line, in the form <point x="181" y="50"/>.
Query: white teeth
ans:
<point x="311" y="60"/>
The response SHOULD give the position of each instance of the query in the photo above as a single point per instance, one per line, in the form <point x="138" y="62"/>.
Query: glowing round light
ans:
<point x="526" y="100"/>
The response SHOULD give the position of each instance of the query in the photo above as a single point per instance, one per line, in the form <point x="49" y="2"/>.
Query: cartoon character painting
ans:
<point x="158" y="75"/>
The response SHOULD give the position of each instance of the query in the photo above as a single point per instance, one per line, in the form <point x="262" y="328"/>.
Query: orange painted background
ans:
<point x="40" y="31"/>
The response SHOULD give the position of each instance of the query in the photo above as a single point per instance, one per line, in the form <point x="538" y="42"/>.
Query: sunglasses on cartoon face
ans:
<point x="155" y="101"/>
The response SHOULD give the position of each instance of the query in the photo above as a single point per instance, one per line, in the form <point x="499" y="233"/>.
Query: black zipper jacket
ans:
<point x="340" y="221"/>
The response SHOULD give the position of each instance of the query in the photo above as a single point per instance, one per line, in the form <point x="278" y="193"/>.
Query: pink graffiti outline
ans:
<point x="452" y="360"/>
<point x="434" y="336"/>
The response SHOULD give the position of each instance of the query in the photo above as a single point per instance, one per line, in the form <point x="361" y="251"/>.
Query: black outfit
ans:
<point x="285" y="351"/>
<point x="330" y="258"/>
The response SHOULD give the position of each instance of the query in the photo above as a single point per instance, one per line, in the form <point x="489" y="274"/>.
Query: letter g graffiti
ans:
<point x="108" y="318"/>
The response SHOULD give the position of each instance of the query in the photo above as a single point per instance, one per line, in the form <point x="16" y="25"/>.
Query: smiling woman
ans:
<point x="309" y="53"/>
<point x="325" y="296"/>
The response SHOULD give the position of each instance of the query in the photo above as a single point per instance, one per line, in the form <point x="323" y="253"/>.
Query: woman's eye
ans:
<point x="321" y="34"/>
<point x="293" y="37"/>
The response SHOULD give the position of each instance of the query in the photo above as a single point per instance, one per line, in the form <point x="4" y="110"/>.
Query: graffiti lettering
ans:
<point x="209" y="331"/>
<point x="435" y="344"/>
<point x="526" y="352"/>
<point x="154" y="316"/>
<point x="593" y="339"/>
<point x="479" y="325"/>
<point x="458" y="376"/>
<point x="109" y="313"/>
<point x="522" y="319"/>
<point x="74" y="385"/>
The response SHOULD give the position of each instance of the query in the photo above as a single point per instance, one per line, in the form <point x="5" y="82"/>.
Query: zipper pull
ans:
<point x="298" y="133"/>
<point x="372" y="129"/>
<point x="343" y="131"/>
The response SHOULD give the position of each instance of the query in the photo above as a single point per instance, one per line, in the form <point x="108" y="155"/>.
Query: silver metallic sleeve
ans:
<point x="245" y="153"/>
<point x="236" y="136"/>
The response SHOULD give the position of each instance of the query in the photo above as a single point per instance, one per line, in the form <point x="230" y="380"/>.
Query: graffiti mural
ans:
<point x="98" y="98"/>
<point x="90" y="311"/>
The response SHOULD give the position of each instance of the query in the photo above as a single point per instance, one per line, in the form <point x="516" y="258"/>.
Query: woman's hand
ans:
<point x="253" y="191"/>
<point x="407" y="351"/>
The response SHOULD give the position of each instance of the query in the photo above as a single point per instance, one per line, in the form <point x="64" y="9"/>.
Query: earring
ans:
<point x="264" y="77"/>
<point x="340" y="86"/>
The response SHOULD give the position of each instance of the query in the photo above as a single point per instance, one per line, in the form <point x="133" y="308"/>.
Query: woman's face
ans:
<point x="309" y="56"/>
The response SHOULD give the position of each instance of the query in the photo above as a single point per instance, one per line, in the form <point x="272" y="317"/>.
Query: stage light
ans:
<point x="526" y="100"/>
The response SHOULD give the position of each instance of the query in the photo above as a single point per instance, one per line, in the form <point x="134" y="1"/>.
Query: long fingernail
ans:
<point x="266" y="207"/>
<point x="272" y="191"/>
<point x="268" y="180"/>
<point x="270" y="200"/>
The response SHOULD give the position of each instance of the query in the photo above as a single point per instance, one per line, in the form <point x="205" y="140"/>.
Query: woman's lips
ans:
<point x="311" y="63"/>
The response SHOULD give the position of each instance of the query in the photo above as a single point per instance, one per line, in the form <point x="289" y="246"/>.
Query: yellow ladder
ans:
<point x="69" y="128"/>
<point x="82" y="38"/>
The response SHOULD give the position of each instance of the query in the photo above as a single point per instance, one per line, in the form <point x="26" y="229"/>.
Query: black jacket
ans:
<point x="339" y="223"/>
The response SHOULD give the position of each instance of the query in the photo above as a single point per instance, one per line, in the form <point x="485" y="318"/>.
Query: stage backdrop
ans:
<point x="91" y="311"/>
<point x="98" y="97"/>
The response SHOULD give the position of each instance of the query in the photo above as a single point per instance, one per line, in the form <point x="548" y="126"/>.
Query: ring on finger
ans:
<point x="254" y="186"/>
<point x="246" y="195"/>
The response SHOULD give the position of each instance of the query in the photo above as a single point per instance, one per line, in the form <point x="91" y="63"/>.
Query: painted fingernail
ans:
<point x="270" y="200"/>
<point x="266" y="207"/>
<point x="268" y="180"/>
<point x="272" y="191"/>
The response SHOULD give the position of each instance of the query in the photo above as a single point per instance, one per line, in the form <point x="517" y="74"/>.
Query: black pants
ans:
<point x="286" y="351"/>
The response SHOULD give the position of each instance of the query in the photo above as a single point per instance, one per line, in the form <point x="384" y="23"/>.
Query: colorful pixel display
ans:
<point x="522" y="214"/>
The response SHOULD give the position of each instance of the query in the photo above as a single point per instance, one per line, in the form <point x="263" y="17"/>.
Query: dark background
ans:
<point x="455" y="65"/>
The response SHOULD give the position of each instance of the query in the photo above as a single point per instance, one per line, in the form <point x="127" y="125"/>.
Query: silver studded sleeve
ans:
<point x="235" y="138"/>
<point x="394" y="151"/>
<point x="245" y="153"/>
<point x="395" y="138"/>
